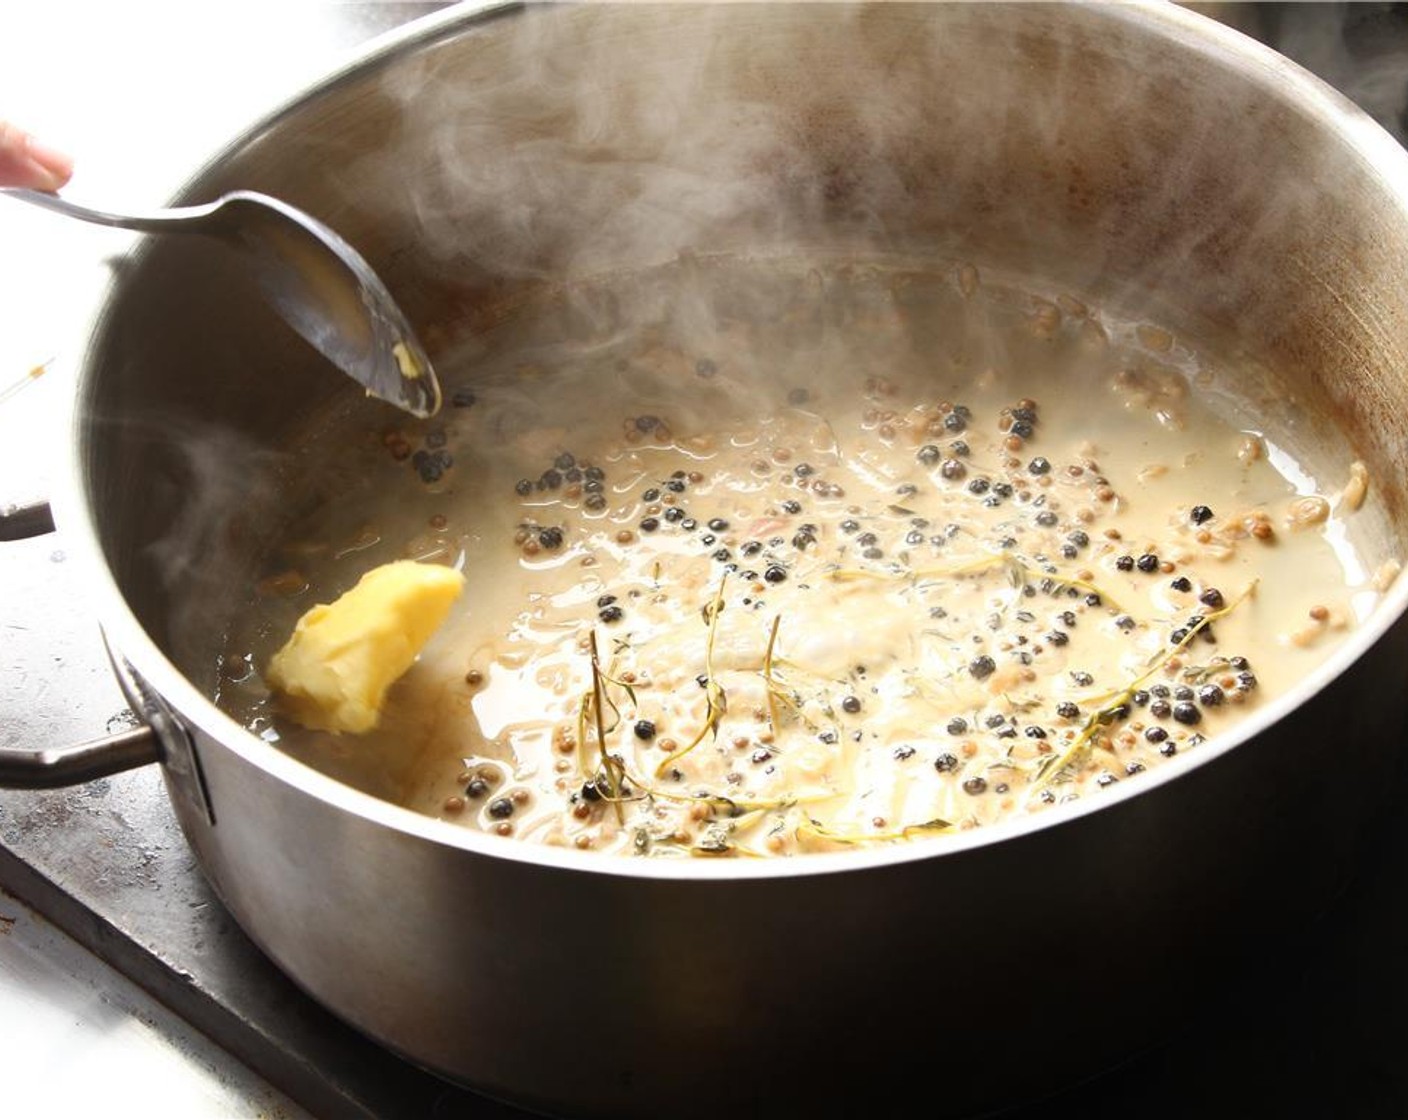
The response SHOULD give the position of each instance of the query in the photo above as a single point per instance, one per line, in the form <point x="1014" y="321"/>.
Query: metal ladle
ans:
<point x="319" y="284"/>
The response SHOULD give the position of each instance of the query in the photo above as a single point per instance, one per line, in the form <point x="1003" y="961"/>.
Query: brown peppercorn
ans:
<point x="1319" y="613"/>
<point x="474" y="678"/>
<point x="454" y="805"/>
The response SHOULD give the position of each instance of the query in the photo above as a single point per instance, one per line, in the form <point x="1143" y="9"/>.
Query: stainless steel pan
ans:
<point x="1137" y="154"/>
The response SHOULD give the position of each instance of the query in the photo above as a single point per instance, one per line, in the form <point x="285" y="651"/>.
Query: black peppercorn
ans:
<point x="1185" y="712"/>
<point x="1210" y="696"/>
<point x="501" y="808"/>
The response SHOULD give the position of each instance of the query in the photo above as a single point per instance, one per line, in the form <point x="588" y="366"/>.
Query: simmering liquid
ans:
<point x="785" y="559"/>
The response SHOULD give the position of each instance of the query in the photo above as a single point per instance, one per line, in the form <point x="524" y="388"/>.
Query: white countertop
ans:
<point x="79" y="1039"/>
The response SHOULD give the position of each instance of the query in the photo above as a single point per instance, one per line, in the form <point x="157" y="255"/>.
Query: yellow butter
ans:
<point x="334" y="672"/>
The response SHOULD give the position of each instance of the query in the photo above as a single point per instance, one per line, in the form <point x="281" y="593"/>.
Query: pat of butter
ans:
<point x="334" y="673"/>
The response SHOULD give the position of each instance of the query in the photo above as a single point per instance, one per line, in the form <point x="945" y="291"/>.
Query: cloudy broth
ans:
<point x="787" y="558"/>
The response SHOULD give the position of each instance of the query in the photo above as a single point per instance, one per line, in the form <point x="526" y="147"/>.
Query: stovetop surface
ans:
<point x="1316" y="1026"/>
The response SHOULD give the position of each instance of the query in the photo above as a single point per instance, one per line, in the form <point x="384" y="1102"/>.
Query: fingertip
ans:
<point x="51" y="164"/>
<point x="25" y="162"/>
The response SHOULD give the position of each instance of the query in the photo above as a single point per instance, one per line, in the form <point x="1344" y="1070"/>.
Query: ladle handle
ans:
<point x="187" y="218"/>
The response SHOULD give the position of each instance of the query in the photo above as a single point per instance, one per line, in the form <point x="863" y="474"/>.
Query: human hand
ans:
<point x="24" y="162"/>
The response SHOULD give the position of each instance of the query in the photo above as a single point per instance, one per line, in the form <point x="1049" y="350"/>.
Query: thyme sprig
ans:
<point x="774" y="690"/>
<point x="716" y="699"/>
<point x="815" y="827"/>
<point x="1113" y="704"/>
<point x="611" y="766"/>
<point x="1020" y="572"/>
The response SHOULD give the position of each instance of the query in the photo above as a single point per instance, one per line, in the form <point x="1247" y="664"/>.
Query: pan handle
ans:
<point x="20" y="522"/>
<point x="68" y="766"/>
<point x="51" y="767"/>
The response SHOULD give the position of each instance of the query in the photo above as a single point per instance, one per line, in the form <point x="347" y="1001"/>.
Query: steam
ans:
<point x="593" y="165"/>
